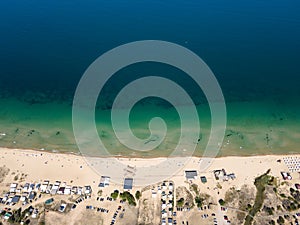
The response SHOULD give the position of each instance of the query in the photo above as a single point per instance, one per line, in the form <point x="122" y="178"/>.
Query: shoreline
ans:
<point x="54" y="151"/>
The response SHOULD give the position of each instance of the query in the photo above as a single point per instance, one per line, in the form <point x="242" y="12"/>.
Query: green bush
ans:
<point x="138" y="195"/>
<point x="221" y="202"/>
<point x="180" y="202"/>
<point x="126" y="196"/>
<point x="199" y="201"/>
<point x="115" y="194"/>
<point x="280" y="220"/>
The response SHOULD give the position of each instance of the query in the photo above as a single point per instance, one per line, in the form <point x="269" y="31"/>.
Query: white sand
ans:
<point x="73" y="169"/>
<point x="39" y="166"/>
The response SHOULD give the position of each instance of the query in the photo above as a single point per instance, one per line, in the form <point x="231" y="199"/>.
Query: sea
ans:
<point x="252" y="48"/>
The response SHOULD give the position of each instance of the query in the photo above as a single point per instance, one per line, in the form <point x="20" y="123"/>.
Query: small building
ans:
<point x="297" y="186"/>
<point x="74" y="190"/>
<point x="191" y="174"/>
<point x="31" y="187"/>
<point x="4" y="199"/>
<point x="286" y="176"/>
<point x="15" y="199"/>
<point x="13" y="188"/>
<point x="44" y="186"/>
<point x="32" y="195"/>
<point x="62" y="207"/>
<point x="164" y="213"/>
<point x="104" y="181"/>
<point x="26" y="187"/>
<point x="67" y="190"/>
<point x="164" y="186"/>
<point x="154" y="194"/>
<point x="220" y="174"/>
<point x="79" y="191"/>
<point x="49" y="201"/>
<point x="49" y="188"/>
<point x="128" y="183"/>
<point x="231" y="176"/>
<point x="54" y="190"/>
<point x="23" y="198"/>
<point x="9" y="200"/>
<point x="203" y="179"/>
<point x="61" y="191"/>
<point x="87" y="190"/>
<point x="223" y="176"/>
<point x="7" y="215"/>
<point x="35" y="213"/>
<point x="37" y="187"/>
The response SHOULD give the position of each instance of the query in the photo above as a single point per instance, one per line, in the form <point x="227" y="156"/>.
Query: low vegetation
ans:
<point x="18" y="216"/>
<point x="180" y="202"/>
<point x="199" y="201"/>
<point x="115" y="194"/>
<point x="138" y="195"/>
<point x="221" y="202"/>
<point x="241" y="199"/>
<point x="4" y="171"/>
<point x="185" y="197"/>
<point x="127" y="196"/>
<point x="195" y="189"/>
<point x="260" y="184"/>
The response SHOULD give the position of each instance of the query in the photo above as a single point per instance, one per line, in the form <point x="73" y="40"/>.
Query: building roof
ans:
<point x="32" y="195"/>
<point x="13" y="185"/>
<point x="104" y="181"/>
<point x="15" y="199"/>
<point x="203" y="179"/>
<point x="191" y="174"/>
<point x="49" y="201"/>
<point x="128" y="182"/>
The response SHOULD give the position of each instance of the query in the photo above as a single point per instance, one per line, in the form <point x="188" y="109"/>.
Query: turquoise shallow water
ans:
<point x="260" y="127"/>
<point x="251" y="46"/>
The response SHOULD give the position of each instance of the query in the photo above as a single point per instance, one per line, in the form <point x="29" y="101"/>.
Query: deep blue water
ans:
<point x="47" y="45"/>
<point x="252" y="47"/>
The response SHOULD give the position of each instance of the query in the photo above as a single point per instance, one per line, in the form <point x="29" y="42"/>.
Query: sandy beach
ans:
<point x="42" y="165"/>
<point x="30" y="166"/>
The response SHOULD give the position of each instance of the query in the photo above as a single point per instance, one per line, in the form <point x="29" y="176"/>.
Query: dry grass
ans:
<point x="84" y="217"/>
<point x="183" y="192"/>
<point x="4" y="171"/>
<point x="241" y="200"/>
<point x="149" y="210"/>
